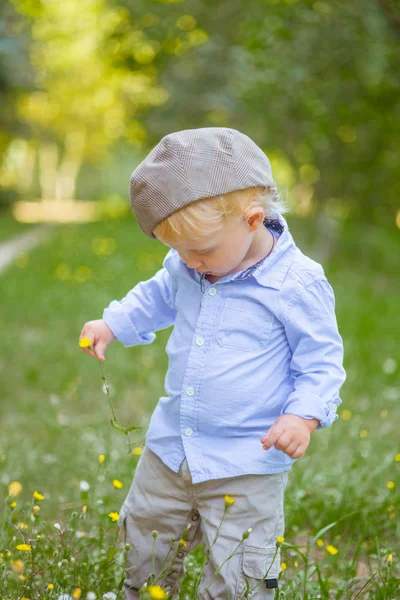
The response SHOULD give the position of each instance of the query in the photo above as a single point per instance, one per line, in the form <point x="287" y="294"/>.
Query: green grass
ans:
<point x="55" y="417"/>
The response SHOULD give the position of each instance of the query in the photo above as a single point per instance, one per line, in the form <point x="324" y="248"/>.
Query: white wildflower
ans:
<point x="84" y="486"/>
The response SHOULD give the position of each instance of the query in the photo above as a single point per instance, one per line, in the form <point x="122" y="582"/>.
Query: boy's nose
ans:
<point x="191" y="263"/>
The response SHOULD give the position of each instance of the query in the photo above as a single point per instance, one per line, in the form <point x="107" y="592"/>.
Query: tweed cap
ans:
<point x="192" y="164"/>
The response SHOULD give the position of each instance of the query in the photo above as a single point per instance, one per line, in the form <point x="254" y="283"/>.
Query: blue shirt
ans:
<point x="263" y="343"/>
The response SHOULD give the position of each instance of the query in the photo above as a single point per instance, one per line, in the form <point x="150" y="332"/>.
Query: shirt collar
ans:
<point x="272" y="269"/>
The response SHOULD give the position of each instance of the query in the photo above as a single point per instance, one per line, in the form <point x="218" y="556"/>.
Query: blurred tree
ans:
<point x="314" y="83"/>
<point x="15" y="76"/>
<point x="319" y="81"/>
<point x="86" y="93"/>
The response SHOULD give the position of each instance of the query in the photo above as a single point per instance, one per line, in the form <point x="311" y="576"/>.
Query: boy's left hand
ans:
<point x="291" y="434"/>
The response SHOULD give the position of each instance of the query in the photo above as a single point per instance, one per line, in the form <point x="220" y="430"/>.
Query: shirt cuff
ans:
<point x="309" y="407"/>
<point x="122" y="327"/>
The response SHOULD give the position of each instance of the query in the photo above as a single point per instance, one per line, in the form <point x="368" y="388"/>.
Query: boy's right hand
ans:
<point x="100" y="335"/>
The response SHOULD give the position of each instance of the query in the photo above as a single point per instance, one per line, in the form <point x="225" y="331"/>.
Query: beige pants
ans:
<point x="168" y="502"/>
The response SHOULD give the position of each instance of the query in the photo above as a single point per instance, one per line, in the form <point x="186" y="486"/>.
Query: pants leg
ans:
<point x="258" y="505"/>
<point x="157" y="500"/>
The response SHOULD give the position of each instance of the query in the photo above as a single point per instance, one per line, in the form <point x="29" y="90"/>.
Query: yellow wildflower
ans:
<point x="24" y="547"/>
<point x="320" y="542"/>
<point x="397" y="457"/>
<point x="229" y="500"/>
<point x="50" y="586"/>
<point x="390" y="558"/>
<point x="283" y="566"/>
<point x="22" y="526"/>
<point x="38" y="496"/>
<point x="36" y="508"/>
<point x="156" y="592"/>
<point x="280" y="539"/>
<point x="114" y="516"/>
<point x="117" y="484"/>
<point x="296" y="564"/>
<point x="14" y="488"/>
<point x="84" y="508"/>
<point x="77" y="593"/>
<point x="13" y="504"/>
<point x="85" y="342"/>
<point x="346" y="415"/>
<point x="137" y="451"/>
<point x="331" y="549"/>
<point x="390" y="485"/>
<point x="183" y="543"/>
<point x="102" y="458"/>
<point x="363" y="433"/>
<point x="18" y="566"/>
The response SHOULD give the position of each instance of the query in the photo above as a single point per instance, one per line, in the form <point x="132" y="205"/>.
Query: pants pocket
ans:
<point x="259" y="573"/>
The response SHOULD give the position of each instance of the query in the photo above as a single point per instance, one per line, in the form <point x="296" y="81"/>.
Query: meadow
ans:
<point x="64" y="470"/>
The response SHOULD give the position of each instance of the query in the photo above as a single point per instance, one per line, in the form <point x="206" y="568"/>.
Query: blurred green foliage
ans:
<point x="314" y="83"/>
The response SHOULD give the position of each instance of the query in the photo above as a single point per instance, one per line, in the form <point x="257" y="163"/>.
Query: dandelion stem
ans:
<point x="218" y="569"/>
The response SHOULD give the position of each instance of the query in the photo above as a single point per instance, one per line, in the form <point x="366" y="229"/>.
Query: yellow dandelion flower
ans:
<point x="38" y="496"/>
<point x="36" y="508"/>
<point x="283" y="566"/>
<point x="85" y="342"/>
<point x="102" y="458"/>
<point x="156" y="592"/>
<point x="137" y="451"/>
<point x="114" y="516"/>
<point x="397" y="457"/>
<point x="22" y="578"/>
<point x="24" y="547"/>
<point x="13" y="504"/>
<point x="183" y="543"/>
<point x="363" y="433"/>
<point x="320" y="542"/>
<point x="390" y="485"/>
<point x="280" y="539"/>
<point x="229" y="500"/>
<point x="390" y="558"/>
<point x="346" y="415"/>
<point x="8" y="554"/>
<point x="18" y="566"/>
<point x="77" y="593"/>
<point x="331" y="549"/>
<point x="84" y="508"/>
<point x="117" y="484"/>
<point x="22" y="526"/>
<point x="50" y="587"/>
<point x="14" y="488"/>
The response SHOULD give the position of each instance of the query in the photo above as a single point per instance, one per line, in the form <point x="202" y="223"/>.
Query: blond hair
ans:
<point x="208" y="215"/>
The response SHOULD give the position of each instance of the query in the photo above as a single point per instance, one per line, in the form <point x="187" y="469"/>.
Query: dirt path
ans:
<point x="22" y="243"/>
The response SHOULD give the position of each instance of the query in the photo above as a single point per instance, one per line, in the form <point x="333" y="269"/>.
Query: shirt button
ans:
<point x="190" y="391"/>
<point x="188" y="431"/>
<point x="199" y="340"/>
<point x="212" y="291"/>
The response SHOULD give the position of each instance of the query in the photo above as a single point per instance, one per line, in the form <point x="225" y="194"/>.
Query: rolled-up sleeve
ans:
<point x="148" y="307"/>
<point x="317" y="354"/>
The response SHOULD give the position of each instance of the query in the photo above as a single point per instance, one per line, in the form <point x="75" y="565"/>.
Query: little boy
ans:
<point x="255" y="363"/>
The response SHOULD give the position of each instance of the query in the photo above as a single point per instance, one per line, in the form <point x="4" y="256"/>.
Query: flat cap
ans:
<point x="192" y="164"/>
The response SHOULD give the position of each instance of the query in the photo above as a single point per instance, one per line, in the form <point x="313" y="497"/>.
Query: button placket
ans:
<point x="176" y="567"/>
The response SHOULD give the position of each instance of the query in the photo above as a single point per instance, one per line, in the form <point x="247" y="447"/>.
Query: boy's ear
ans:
<point x="254" y="217"/>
